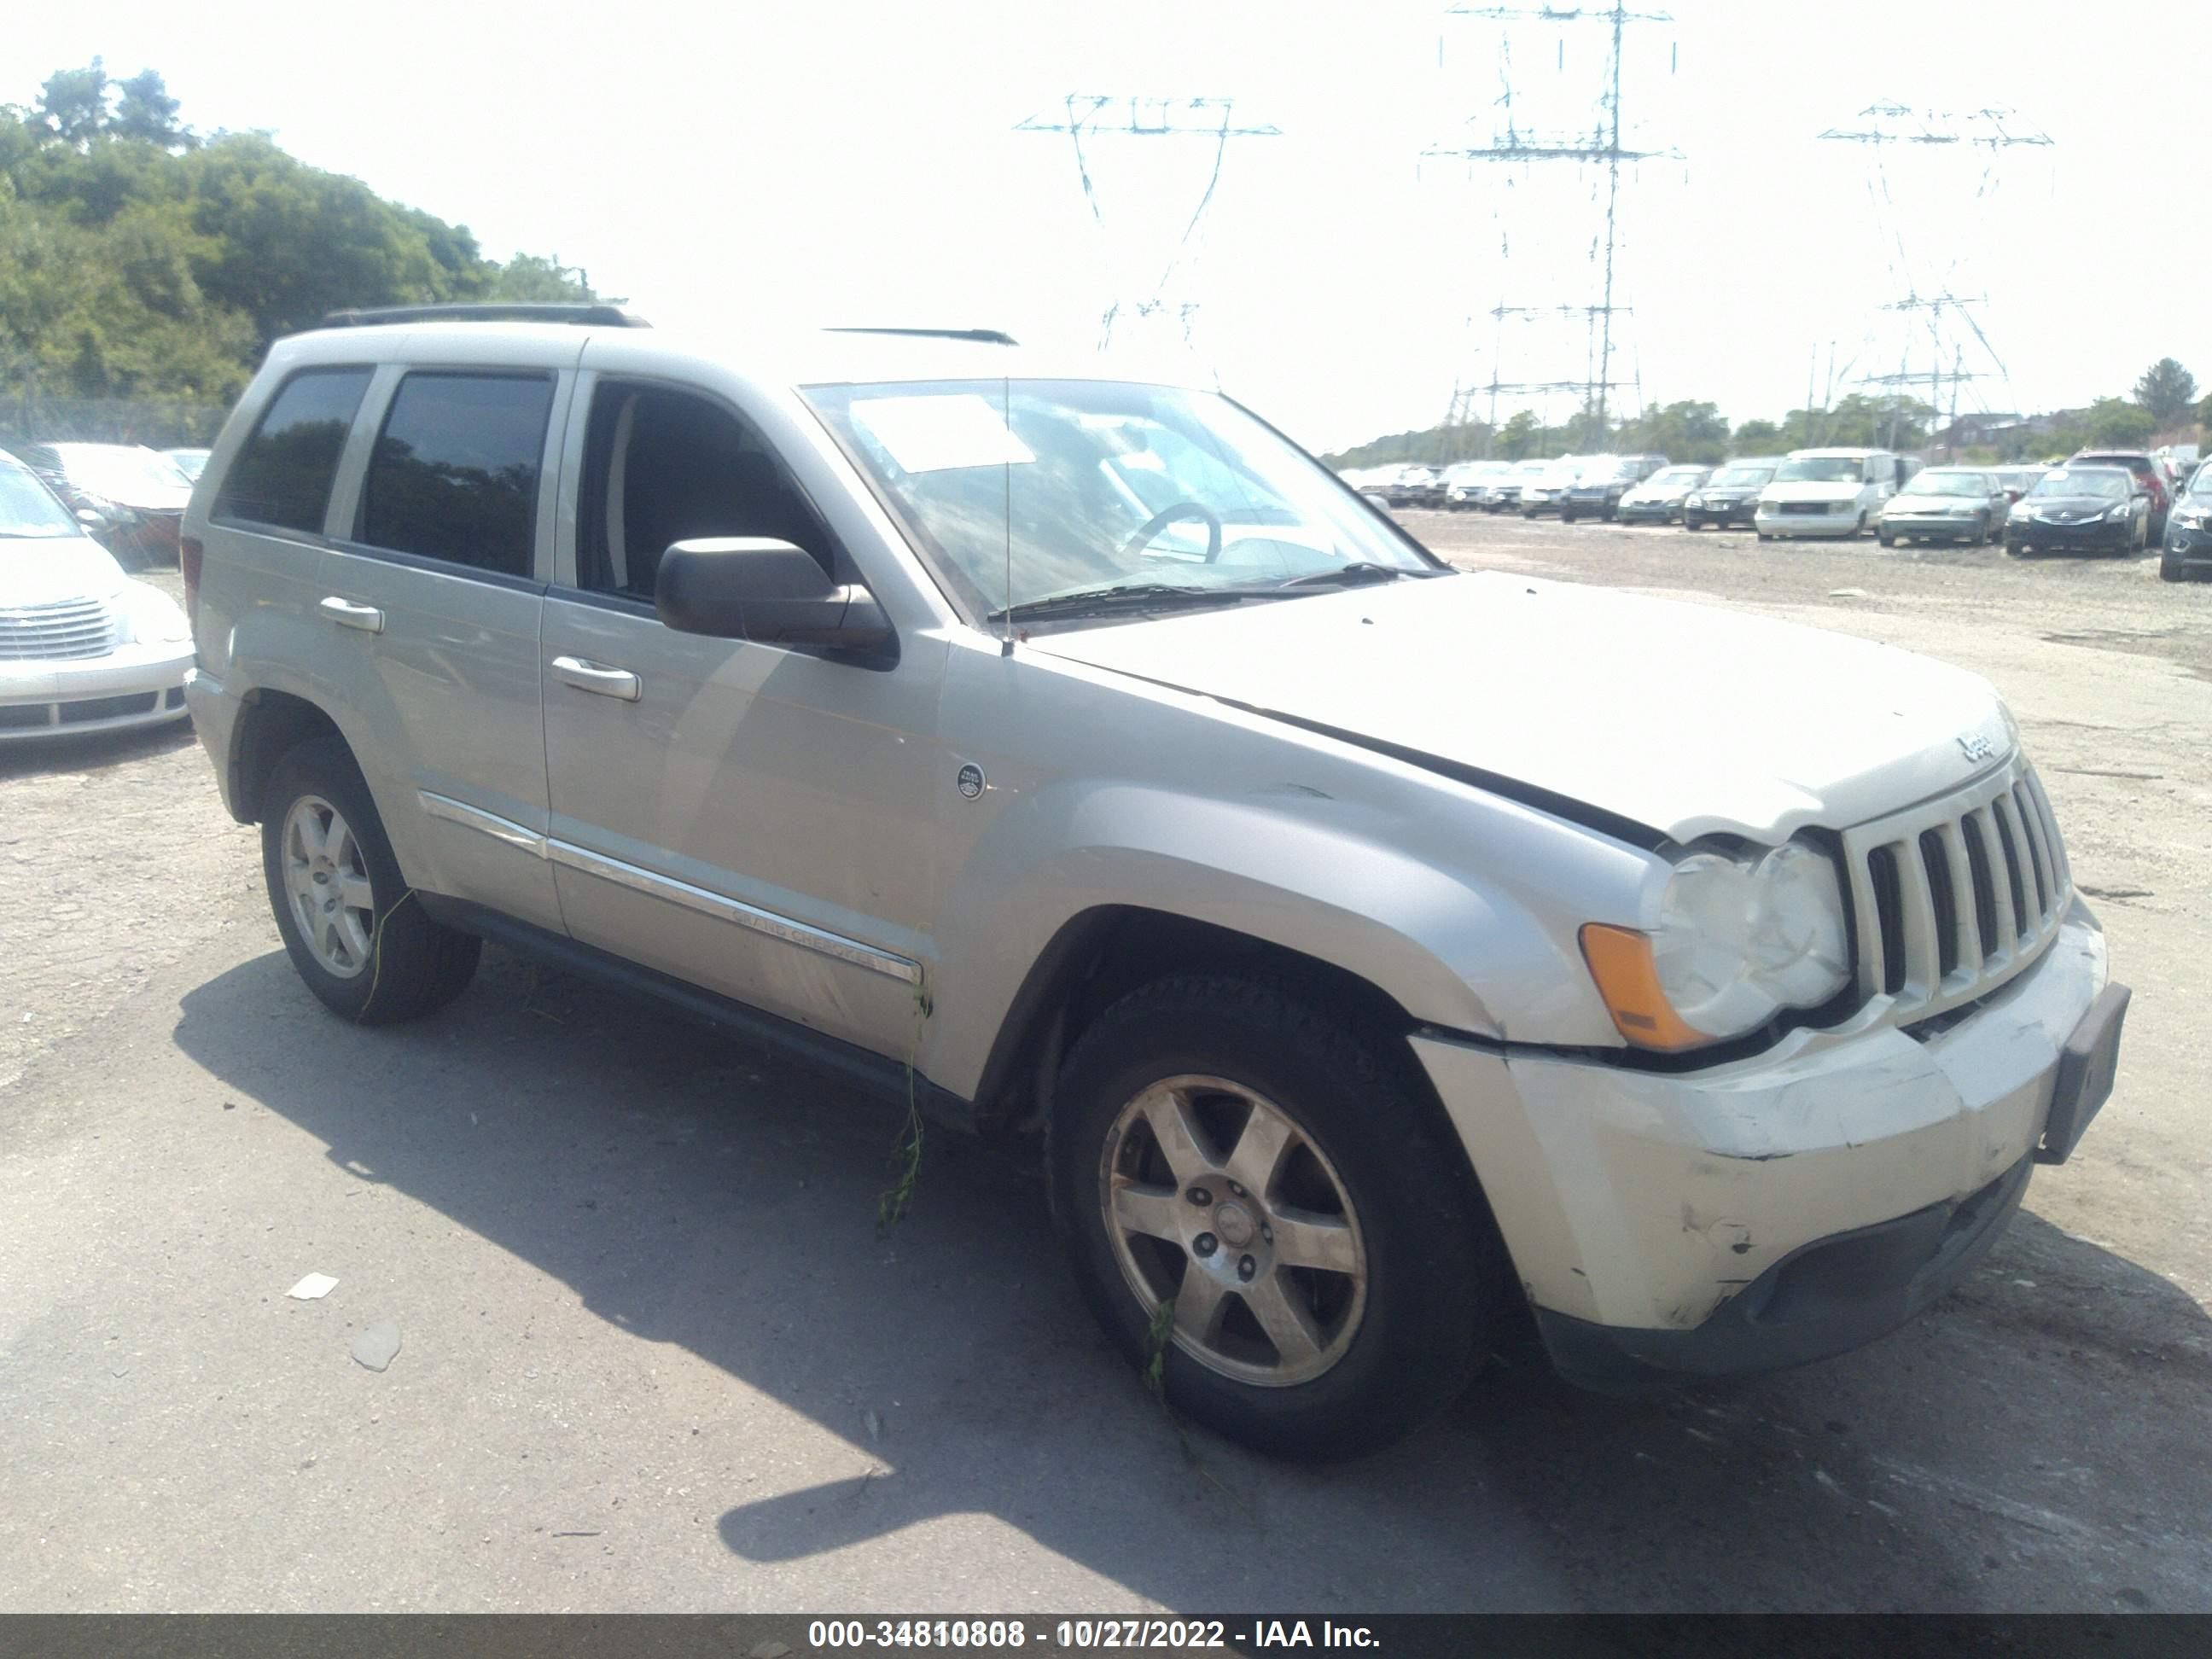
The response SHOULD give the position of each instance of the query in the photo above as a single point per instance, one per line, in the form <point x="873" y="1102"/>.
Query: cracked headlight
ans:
<point x="1738" y="937"/>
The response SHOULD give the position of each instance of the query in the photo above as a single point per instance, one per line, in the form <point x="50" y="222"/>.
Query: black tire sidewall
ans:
<point x="405" y="939"/>
<point x="1431" y="1283"/>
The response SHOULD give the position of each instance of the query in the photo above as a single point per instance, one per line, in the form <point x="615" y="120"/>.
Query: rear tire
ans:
<point x="373" y="955"/>
<point x="1353" y="1164"/>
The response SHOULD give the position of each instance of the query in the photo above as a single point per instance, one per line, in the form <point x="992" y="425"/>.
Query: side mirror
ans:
<point x="92" y="518"/>
<point x="747" y="587"/>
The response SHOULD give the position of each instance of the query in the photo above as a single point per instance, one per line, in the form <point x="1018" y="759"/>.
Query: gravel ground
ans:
<point x="653" y="1357"/>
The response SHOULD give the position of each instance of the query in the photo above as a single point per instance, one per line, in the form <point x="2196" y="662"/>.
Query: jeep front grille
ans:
<point x="1955" y="895"/>
<point x="73" y="628"/>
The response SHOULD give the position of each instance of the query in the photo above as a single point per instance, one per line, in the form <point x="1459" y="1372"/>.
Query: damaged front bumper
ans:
<point x="1783" y="1208"/>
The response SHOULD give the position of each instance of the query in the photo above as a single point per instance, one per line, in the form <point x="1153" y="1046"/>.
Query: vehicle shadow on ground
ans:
<point x="693" y="1190"/>
<point x="93" y="751"/>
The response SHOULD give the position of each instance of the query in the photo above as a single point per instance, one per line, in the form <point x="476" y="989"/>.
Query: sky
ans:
<point x="841" y="161"/>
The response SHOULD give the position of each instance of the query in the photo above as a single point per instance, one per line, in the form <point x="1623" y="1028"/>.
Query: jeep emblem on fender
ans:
<point x="970" y="780"/>
<point x="1976" y="748"/>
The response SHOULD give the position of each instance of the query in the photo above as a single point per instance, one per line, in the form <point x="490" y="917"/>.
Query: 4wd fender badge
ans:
<point x="1977" y="747"/>
<point x="969" y="779"/>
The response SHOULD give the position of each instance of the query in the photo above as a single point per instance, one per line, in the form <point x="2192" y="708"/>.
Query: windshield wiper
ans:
<point x="1121" y="596"/>
<point x="1358" y="572"/>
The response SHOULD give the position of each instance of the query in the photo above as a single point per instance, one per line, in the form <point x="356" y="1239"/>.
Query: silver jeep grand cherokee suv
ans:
<point x="1384" y="953"/>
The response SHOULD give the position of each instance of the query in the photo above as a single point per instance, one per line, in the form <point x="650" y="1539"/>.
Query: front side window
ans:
<point x="663" y="466"/>
<point x="1020" y="490"/>
<point x="282" y="475"/>
<point x="454" y="474"/>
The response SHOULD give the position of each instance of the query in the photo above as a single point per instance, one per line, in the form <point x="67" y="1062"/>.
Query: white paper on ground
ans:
<point x="938" y="433"/>
<point x="313" y="1286"/>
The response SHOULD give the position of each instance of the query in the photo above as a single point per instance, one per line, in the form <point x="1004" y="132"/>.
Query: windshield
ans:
<point x="123" y="474"/>
<point x="27" y="508"/>
<point x="1946" y="483"/>
<point x="1022" y="489"/>
<point x="1744" y="477"/>
<point x="190" y="462"/>
<point x="1821" y="469"/>
<point x="2200" y="481"/>
<point x="1676" y="477"/>
<point x="2082" y="481"/>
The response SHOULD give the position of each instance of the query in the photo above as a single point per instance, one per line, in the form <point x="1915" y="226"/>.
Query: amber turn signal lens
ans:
<point x="1620" y="963"/>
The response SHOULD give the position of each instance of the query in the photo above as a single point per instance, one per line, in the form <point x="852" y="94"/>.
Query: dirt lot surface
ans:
<point x="652" y="1355"/>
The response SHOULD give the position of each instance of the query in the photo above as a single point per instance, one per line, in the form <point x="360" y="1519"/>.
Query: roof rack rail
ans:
<point x="582" y="313"/>
<point x="981" y="336"/>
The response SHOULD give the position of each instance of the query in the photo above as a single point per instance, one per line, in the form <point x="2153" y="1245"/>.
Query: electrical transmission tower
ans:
<point x="1602" y="145"/>
<point x="1926" y="134"/>
<point x="1095" y="115"/>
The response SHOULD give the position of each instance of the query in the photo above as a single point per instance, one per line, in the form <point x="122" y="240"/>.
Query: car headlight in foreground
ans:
<point x="1738" y="937"/>
<point x="151" y="617"/>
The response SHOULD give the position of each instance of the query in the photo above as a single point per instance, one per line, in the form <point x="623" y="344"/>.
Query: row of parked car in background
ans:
<point x="2113" y="501"/>
<point x="130" y="498"/>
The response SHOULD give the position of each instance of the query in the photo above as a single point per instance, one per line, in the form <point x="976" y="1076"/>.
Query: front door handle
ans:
<point x="597" y="676"/>
<point x="346" y="614"/>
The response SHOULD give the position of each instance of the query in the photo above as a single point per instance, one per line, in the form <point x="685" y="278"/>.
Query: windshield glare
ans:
<point x="2082" y="482"/>
<point x="1821" y="469"/>
<point x="1948" y="483"/>
<point x="29" y="510"/>
<point x="121" y="473"/>
<point x="1022" y="489"/>
<point x="1744" y="477"/>
<point x="1674" y="478"/>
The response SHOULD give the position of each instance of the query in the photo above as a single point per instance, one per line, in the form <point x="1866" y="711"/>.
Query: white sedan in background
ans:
<point x="82" y="647"/>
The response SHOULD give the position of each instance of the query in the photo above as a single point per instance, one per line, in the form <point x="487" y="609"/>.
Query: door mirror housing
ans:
<point x="768" y="591"/>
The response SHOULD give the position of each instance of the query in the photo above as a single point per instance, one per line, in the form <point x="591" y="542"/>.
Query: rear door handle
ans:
<point x="346" y="614"/>
<point x="597" y="676"/>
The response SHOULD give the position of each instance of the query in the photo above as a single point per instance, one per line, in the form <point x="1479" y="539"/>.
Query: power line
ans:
<point x="1138" y="116"/>
<point x="1508" y="143"/>
<point x="1993" y="130"/>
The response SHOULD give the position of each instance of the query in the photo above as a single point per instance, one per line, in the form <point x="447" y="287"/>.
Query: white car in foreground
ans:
<point x="82" y="647"/>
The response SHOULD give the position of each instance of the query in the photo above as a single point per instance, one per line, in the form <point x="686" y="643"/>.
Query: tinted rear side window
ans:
<point x="455" y="472"/>
<point x="283" y="476"/>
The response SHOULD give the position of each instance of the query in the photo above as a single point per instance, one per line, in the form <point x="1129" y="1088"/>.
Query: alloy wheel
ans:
<point x="326" y="885"/>
<point x="1214" y="1198"/>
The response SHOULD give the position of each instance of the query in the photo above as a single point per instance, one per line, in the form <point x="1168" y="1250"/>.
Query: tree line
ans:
<point x="2163" y="399"/>
<point x="140" y="259"/>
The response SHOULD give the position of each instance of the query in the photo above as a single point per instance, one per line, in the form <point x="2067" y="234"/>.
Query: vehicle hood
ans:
<point x="1686" y="718"/>
<point x="46" y="570"/>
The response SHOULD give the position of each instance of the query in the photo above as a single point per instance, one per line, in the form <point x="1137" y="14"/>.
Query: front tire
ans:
<point x="1219" y="1145"/>
<point x="349" y="921"/>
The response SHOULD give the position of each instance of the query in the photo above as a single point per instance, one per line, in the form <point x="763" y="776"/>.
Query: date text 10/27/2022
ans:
<point x="987" y="1635"/>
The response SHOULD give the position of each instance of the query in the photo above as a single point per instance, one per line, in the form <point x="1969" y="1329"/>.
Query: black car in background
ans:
<point x="2081" y="509"/>
<point x="2148" y="472"/>
<point x="1729" y="497"/>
